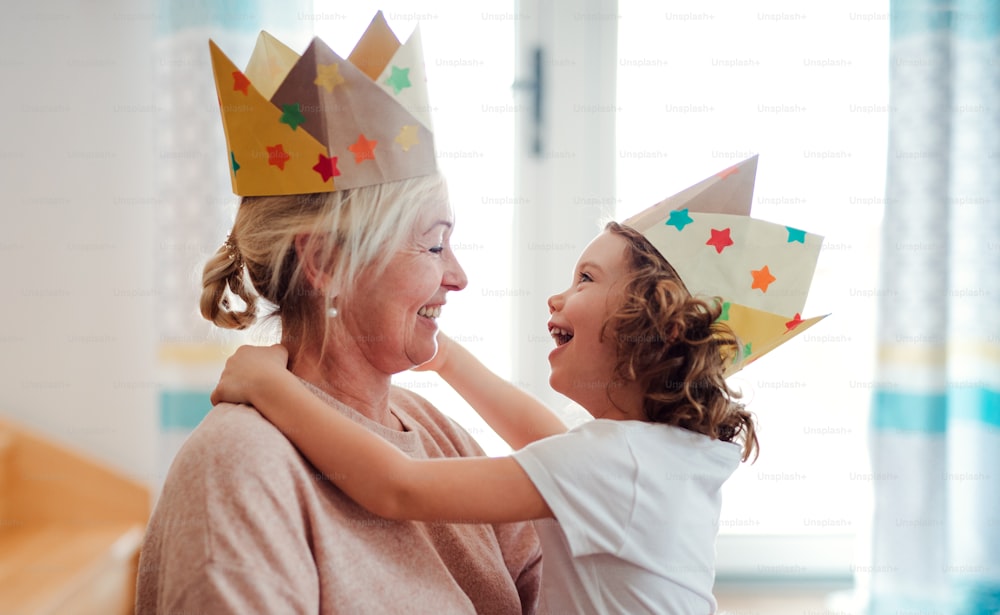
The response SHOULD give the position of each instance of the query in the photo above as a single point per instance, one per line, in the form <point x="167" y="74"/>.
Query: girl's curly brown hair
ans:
<point x="675" y="347"/>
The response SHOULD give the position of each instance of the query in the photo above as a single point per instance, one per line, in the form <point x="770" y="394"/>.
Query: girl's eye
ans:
<point x="437" y="249"/>
<point x="584" y="277"/>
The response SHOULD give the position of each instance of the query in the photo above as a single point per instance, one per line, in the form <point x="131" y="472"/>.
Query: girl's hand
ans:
<point x="440" y="358"/>
<point x="247" y="371"/>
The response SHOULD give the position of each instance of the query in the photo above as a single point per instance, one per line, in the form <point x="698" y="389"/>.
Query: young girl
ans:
<point x="627" y="505"/>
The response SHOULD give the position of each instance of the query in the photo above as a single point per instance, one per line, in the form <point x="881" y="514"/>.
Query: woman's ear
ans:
<point x="309" y="253"/>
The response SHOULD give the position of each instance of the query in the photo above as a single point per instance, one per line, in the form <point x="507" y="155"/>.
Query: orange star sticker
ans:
<point x="407" y="137"/>
<point x="720" y="240"/>
<point x="240" y="82"/>
<point x="762" y="278"/>
<point x="729" y="171"/>
<point x="277" y="156"/>
<point x="791" y="324"/>
<point x="363" y="149"/>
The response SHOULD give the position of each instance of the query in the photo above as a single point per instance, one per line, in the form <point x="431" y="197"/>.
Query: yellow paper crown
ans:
<point x="319" y="123"/>
<point x="761" y="270"/>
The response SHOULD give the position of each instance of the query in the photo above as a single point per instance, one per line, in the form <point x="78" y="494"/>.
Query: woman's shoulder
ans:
<point x="441" y="428"/>
<point x="230" y="436"/>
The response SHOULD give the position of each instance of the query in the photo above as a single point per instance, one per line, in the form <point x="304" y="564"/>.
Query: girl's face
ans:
<point x="583" y="362"/>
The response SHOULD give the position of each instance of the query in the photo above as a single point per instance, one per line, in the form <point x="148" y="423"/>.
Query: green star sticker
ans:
<point x="724" y="315"/>
<point x="236" y="165"/>
<point x="399" y="80"/>
<point x="746" y="350"/>
<point x="292" y="115"/>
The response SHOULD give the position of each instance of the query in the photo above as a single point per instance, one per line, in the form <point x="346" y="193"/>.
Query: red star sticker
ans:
<point x="762" y="278"/>
<point x="276" y="155"/>
<point x="363" y="149"/>
<point x="720" y="240"/>
<point x="240" y="82"/>
<point x="729" y="171"/>
<point x="791" y="324"/>
<point x="327" y="167"/>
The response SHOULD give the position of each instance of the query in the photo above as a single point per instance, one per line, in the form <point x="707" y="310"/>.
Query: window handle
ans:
<point x="535" y="87"/>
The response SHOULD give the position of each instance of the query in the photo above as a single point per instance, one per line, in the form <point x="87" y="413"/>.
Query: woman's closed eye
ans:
<point x="438" y="249"/>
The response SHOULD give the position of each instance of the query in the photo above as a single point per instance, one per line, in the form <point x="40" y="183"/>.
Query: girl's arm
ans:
<point x="516" y="415"/>
<point x="371" y="471"/>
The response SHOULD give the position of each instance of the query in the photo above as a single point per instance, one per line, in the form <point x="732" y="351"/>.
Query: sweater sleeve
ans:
<point x="228" y="534"/>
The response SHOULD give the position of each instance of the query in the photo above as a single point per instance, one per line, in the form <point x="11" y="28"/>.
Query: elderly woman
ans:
<point x="245" y="524"/>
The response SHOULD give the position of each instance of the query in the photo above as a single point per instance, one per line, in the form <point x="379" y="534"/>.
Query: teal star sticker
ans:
<point x="292" y="115"/>
<point x="232" y="158"/>
<point x="399" y="80"/>
<point x="795" y="234"/>
<point x="679" y="219"/>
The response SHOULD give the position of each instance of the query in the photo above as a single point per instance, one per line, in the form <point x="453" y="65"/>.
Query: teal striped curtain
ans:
<point x="935" y="427"/>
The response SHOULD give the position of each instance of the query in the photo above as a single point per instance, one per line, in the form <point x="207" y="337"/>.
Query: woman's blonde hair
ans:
<point x="347" y="232"/>
<point x="675" y="347"/>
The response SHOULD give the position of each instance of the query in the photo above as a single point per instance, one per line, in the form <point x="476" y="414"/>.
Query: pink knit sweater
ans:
<point x="246" y="525"/>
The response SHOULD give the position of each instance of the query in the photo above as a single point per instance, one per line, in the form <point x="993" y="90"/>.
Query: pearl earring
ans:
<point x="331" y="312"/>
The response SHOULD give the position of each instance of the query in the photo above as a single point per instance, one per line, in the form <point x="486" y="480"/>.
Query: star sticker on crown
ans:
<point x="730" y="171"/>
<point x="762" y="278"/>
<point x="399" y="80"/>
<point x="327" y="167"/>
<point x="407" y="137"/>
<point x="795" y="234"/>
<point x="292" y="115"/>
<point x="679" y="219"/>
<point x="240" y="82"/>
<point x="762" y="317"/>
<point x="720" y="240"/>
<point x="328" y="76"/>
<point x="311" y="109"/>
<point x="277" y="156"/>
<point x="794" y="322"/>
<point x="363" y="149"/>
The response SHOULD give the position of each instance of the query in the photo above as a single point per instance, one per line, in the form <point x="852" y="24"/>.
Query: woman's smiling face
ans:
<point x="583" y="361"/>
<point x="392" y="315"/>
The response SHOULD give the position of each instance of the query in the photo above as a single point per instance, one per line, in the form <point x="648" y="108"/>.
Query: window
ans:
<point x="701" y="87"/>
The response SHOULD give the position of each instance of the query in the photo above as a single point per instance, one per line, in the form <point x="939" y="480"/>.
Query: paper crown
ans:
<point x="317" y="123"/>
<point x="762" y="271"/>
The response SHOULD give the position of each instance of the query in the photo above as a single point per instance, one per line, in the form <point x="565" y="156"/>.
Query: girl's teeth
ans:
<point x="429" y="312"/>
<point x="560" y="335"/>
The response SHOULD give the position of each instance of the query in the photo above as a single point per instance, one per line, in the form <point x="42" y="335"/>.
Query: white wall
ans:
<point x="77" y="330"/>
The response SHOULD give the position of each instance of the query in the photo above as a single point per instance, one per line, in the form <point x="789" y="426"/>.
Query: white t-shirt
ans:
<point x="637" y="512"/>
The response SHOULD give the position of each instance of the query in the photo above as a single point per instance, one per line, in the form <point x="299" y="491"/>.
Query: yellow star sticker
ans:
<point x="328" y="76"/>
<point x="407" y="137"/>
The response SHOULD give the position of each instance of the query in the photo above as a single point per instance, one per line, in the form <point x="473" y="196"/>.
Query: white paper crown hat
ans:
<point x="319" y="123"/>
<point x="761" y="270"/>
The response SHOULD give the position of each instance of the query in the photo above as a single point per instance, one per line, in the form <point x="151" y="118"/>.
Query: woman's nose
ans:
<point x="454" y="275"/>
